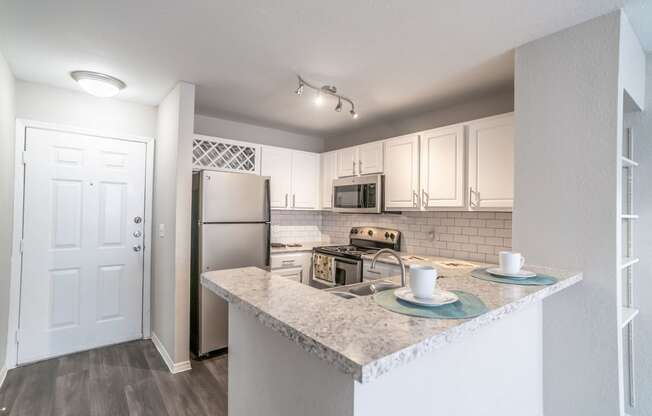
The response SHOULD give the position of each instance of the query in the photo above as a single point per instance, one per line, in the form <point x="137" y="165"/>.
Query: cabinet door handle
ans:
<point x="286" y="200"/>
<point x="425" y="198"/>
<point x="294" y="200"/>
<point x="415" y="199"/>
<point x="360" y="167"/>
<point x="471" y="193"/>
<point x="353" y="167"/>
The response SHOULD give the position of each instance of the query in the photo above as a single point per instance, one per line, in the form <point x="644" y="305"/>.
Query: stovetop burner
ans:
<point x="365" y="240"/>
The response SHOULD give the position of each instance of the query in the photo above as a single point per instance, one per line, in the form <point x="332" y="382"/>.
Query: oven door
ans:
<point x="358" y="195"/>
<point x="347" y="272"/>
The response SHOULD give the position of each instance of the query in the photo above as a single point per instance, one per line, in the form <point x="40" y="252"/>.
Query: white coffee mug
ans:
<point x="510" y="262"/>
<point x="423" y="280"/>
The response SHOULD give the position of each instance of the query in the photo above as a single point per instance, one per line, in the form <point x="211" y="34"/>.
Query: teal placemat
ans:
<point x="538" y="280"/>
<point x="469" y="306"/>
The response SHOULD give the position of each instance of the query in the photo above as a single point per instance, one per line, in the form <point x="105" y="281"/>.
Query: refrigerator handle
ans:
<point x="268" y="242"/>
<point x="268" y="204"/>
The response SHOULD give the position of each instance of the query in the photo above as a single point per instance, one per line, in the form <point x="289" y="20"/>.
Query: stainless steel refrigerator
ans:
<point x="230" y="229"/>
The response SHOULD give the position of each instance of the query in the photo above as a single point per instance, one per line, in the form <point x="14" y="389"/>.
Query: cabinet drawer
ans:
<point x="283" y="261"/>
<point x="294" y="273"/>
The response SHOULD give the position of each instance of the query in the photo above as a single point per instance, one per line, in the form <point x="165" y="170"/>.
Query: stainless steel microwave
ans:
<point x="358" y="194"/>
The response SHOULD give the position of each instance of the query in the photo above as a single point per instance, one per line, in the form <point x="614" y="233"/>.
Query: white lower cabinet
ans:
<point x="381" y="271"/>
<point x="491" y="163"/>
<point x="442" y="168"/>
<point x="401" y="168"/>
<point x="328" y="174"/>
<point x="295" y="266"/>
<point x="294" y="177"/>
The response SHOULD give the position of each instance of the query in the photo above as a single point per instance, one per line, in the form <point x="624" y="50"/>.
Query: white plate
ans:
<point x="441" y="297"/>
<point x="522" y="274"/>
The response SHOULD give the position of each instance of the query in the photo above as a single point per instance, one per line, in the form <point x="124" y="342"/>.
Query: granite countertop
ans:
<point x="304" y="247"/>
<point x="410" y="259"/>
<point x="356" y="335"/>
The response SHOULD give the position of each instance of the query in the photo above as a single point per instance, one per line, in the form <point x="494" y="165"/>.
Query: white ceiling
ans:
<point x="390" y="56"/>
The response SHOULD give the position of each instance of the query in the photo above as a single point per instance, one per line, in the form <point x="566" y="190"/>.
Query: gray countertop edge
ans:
<point x="367" y="372"/>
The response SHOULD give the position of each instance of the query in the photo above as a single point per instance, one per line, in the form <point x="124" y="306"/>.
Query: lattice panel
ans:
<point x="224" y="156"/>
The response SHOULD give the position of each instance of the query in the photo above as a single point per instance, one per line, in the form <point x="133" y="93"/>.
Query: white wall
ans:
<point x="567" y="103"/>
<point x="172" y="205"/>
<point x="641" y="124"/>
<point x="226" y="129"/>
<point x="41" y="102"/>
<point x="7" y="140"/>
<point x="632" y="63"/>
<point x="470" y="108"/>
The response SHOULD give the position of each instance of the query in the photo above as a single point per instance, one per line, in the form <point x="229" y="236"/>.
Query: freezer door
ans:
<point x="234" y="197"/>
<point x="226" y="246"/>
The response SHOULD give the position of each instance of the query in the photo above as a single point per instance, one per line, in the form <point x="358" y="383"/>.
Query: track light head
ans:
<point x="338" y="107"/>
<point x="354" y="115"/>
<point x="299" y="90"/>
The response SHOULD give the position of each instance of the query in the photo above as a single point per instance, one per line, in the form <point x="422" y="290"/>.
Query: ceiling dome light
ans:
<point x="97" y="84"/>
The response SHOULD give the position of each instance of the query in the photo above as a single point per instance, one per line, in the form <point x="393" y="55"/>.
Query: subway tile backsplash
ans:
<point x="475" y="236"/>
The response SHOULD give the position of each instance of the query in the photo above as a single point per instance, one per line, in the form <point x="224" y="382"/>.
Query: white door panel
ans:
<point x="328" y="173"/>
<point x="442" y="168"/>
<point x="347" y="160"/>
<point x="277" y="164"/>
<point x="402" y="172"/>
<point x="305" y="180"/>
<point x="491" y="162"/>
<point x="370" y="157"/>
<point x="81" y="283"/>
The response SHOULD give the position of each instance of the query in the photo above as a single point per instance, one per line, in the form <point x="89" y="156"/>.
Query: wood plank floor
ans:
<point x="125" y="379"/>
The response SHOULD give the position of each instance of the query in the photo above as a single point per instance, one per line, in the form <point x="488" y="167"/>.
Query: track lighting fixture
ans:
<point x="326" y="90"/>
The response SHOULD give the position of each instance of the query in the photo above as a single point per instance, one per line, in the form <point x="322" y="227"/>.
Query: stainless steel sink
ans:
<point x="362" y="289"/>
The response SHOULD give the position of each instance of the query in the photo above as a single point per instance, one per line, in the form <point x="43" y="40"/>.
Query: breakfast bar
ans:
<point x="303" y="351"/>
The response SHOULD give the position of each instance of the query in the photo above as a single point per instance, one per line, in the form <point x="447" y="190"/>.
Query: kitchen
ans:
<point x="273" y="229"/>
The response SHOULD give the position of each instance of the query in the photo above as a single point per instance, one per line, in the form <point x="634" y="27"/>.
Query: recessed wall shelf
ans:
<point x="627" y="315"/>
<point x="628" y="261"/>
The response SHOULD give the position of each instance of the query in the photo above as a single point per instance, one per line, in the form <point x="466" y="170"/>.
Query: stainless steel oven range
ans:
<point x="342" y="265"/>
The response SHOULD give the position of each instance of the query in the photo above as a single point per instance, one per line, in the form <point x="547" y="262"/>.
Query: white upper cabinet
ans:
<point x="305" y="180"/>
<point x="294" y="177"/>
<point x="347" y="162"/>
<point x="277" y="164"/>
<point x="328" y="173"/>
<point x="370" y="158"/>
<point x="442" y="168"/>
<point x="401" y="168"/>
<point x="491" y="163"/>
<point x="360" y="160"/>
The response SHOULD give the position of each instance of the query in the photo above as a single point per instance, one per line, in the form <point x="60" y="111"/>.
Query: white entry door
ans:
<point x="82" y="275"/>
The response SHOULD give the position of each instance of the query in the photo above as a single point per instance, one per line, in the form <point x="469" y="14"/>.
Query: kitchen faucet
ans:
<point x="394" y="254"/>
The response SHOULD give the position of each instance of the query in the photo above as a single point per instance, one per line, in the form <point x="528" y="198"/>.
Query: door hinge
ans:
<point x="17" y="336"/>
<point x="24" y="157"/>
<point x="21" y="246"/>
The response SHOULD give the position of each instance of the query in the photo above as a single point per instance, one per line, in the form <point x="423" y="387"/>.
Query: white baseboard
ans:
<point x="3" y="375"/>
<point x="174" y="367"/>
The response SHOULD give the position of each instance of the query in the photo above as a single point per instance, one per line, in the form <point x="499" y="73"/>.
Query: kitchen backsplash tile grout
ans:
<point x="475" y="236"/>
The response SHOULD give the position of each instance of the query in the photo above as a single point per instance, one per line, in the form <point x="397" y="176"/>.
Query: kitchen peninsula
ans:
<point x="300" y="351"/>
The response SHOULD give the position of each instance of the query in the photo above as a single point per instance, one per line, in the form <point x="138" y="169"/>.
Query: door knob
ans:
<point x="137" y="234"/>
<point x="137" y="248"/>
<point x="138" y="220"/>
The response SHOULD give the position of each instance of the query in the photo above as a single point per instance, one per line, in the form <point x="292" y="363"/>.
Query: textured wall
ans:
<point x="7" y="140"/>
<point x="464" y="235"/>
<point x="565" y="207"/>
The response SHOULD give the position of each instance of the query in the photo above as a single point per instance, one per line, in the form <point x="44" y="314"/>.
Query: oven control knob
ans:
<point x="370" y="233"/>
<point x="392" y="236"/>
<point x="386" y="235"/>
<point x="354" y="231"/>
